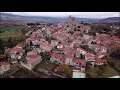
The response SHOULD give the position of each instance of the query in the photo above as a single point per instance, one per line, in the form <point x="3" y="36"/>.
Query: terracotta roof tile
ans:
<point x="82" y="61"/>
<point x="4" y="63"/>
<point x="32" y="58"/>
<point x="100" y="60"/>
<point x="90" y="56"/>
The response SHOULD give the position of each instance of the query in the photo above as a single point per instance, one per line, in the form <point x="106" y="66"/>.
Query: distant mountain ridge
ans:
<point x="111" y="19"/>
<point x="12" y="17"/>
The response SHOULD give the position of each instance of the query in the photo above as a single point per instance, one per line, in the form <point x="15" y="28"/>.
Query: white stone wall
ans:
<point x="99" y="63"/>
<point x="36" y="62"/>
<point x="74" y="63"/>
<point x="69" y="61"/>
<point x="27" y="65"/>
<point x="30" y="65"/>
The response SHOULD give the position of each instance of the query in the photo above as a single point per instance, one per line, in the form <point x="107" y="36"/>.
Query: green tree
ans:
<point x="9" y="43"/>
<point x="1" y="46"/>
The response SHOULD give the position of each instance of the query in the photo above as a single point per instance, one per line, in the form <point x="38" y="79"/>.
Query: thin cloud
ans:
<point x="75" y="14"/>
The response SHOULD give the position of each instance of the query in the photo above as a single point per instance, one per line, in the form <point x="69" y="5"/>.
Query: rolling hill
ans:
<point x="19" y="18"/>
<point x="111" y="19"/>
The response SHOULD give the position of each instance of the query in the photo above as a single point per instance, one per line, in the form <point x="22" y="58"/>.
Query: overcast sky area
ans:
<point x="75" y="14"/>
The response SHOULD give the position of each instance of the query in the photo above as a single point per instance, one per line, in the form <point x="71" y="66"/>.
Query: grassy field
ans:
<point x="8" y="34"/>
<point x="11" y="31"/>
<point x="12" y="28"/>
<point x="109" y="72"/>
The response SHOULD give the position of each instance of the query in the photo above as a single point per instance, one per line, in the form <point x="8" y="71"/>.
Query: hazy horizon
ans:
<point x="74" y="14"/>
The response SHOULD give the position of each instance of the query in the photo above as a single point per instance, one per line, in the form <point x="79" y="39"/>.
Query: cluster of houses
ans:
<point x="65" y="43"/>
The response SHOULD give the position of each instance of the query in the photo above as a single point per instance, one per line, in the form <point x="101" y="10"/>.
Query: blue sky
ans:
<point x="75" y="14"/>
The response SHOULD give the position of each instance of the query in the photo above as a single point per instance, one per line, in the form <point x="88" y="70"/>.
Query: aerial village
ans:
<point x="62" y="50"/>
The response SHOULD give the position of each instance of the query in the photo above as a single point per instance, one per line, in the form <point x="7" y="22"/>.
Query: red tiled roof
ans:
<point x="108" y="40"/>
<point x="98" y="40"/>
<point x="103" y="35"/>
<point x="115" y="46"/>
<point x="82" y="61"/>
<point x="90" y="56"/>
<point x="101" y="53"/>
<point x="33" y="58"/>
<point x="67" y="49"/>
<point x="115" y="38"/>
<point x="63" y="58"/>
<point x="78" y="49"/>
<point x="100" y="60"/>
<point x="70" y="53"/>
<point x="96" y="46"/>
<point x="56" y="55"/>
<point x="69" y="56"/>
<point x="53" y="54"/>
<point x="62" y="49"/>
<point x="16" y="49"/>
<point x="75" y="41"/>
<point x="4" y="63"/>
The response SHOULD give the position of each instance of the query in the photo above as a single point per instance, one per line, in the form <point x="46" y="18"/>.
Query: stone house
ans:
<point x="31" y="61"/>
<point x="90" y="57"/>
<point x="54" y="42"/>
<point x="103" y="49"/>
<point x="96" y="47"/>
<point x="79" y="52"/>
<point x="101" y="54"/>
<point x="16" y="52"/>
<point x="79" y="62"/>
<point x="45" y="46"/>
<point x="33" y="52"/>
<point x="100" y="61"/>
<point x="55" y="57"/>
